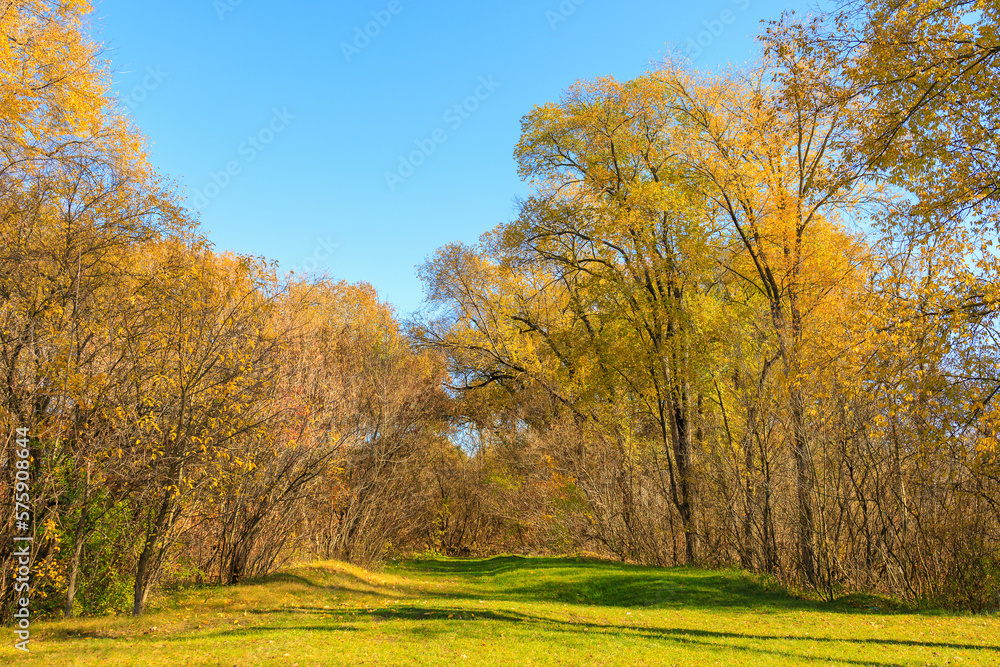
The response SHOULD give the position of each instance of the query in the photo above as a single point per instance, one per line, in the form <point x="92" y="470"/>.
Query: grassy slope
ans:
<point x="509" y="611"/>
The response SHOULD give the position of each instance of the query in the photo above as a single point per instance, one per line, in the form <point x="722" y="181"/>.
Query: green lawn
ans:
<point x="510" y="611"/>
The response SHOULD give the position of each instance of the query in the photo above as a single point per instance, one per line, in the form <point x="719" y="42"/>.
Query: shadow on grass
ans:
<point x="265" y="629"/>
<point x="613" y="584"/>
<point x="711" y="639"/>
<point x="413" y="613"/>
<point x="663" y="589"/>
<point x="485" y="567"/>
<point x="287" y="578"/>
<point x="752" y="645"/>
<point x="335" y="581"/>
<point x="417" y="613"/>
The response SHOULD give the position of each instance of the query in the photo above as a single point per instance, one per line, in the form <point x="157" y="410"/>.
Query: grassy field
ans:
<point x="510" y="611"/>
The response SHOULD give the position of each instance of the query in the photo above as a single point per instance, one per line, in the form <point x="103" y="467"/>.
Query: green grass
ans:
<point x="511" y="611"/>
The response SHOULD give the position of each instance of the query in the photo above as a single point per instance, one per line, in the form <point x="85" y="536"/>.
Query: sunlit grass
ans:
<point x="511" y="611"/>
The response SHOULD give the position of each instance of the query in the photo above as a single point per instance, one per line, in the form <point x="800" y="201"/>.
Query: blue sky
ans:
<point x="326" y="136"/>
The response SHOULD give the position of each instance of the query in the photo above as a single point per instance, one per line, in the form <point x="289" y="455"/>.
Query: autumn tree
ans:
<point x="921" y="79"/>
<point x="75" y="193"/>
<point x="376" y="389"/>
<point x="201" y="354"/>
<point x="768" y="145"/>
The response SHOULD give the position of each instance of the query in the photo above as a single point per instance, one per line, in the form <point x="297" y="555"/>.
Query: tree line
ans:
<point x="751" y="315"/>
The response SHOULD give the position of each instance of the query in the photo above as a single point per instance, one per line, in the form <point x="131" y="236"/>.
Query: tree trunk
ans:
<point x="79" y="535"/>
<point x="144" y="568"/>
<point x="750" y="498"/>
<point x="804" y="489"/>
<point x="684" y="498"/>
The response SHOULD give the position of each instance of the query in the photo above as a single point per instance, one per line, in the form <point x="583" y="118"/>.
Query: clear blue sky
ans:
<point x="309" y="128"/>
